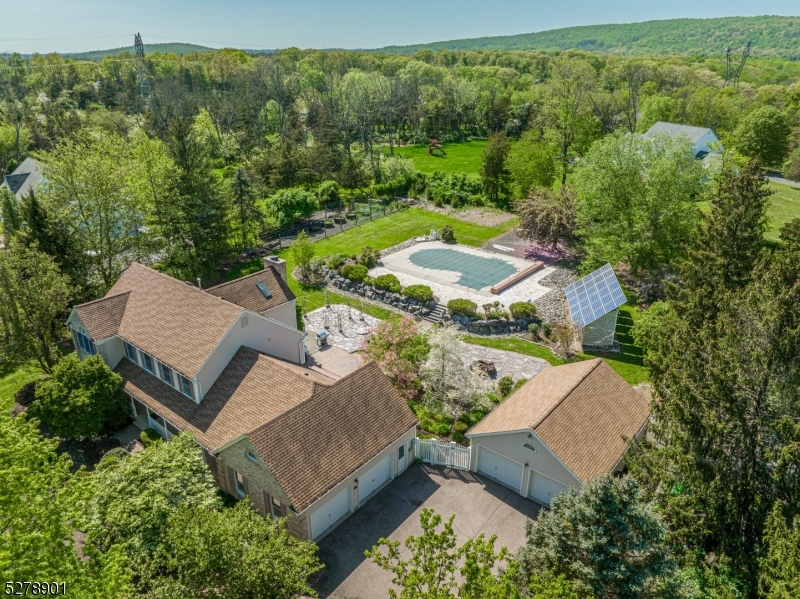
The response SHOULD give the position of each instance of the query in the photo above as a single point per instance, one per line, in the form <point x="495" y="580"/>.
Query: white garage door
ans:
<point x="500" y="468"/>
<point x="336" y="507"/>
<point x="543" y="488"/>
<point x="375" y="477"/>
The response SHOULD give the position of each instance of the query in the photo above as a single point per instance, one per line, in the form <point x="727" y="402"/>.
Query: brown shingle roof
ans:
<point x="580" y="411"/>
<point x="243" y="292"/>
<point x="315" y="445"/>
<point x="177" y="323"/>
<point x="102" y="317"/>
<point x="253" y="389"/>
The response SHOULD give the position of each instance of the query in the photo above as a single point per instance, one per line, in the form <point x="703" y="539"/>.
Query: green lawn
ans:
<point x="10" y="382"/>
<point x="462" y="157"/>
<point x="784" y="206"/>
<point x="378" y="234"/>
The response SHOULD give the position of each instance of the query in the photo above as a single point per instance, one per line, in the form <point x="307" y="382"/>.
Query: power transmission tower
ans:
<point x="141" y="66"/>
<point x="732" y="73"/>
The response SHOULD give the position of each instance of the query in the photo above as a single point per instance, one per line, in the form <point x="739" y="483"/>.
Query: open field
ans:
<point x="462" y="157"/>
<point x="784" y="206"/>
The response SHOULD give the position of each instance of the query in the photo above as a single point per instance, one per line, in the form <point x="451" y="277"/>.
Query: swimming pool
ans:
<point x="477" y="272"/>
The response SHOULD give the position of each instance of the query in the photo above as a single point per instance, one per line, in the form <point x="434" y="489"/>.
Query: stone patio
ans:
<point x="507" y="363"/>
<point x="347" y="326"/>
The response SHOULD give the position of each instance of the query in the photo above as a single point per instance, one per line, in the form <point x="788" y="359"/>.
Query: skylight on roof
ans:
<point x="593" y="296"/>
<point x="263" y="289"/>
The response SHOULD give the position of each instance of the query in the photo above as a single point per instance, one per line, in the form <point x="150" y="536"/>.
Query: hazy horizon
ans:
<point x="87" y="25"/>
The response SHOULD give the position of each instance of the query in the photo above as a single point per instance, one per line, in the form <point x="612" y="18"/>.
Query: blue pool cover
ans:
<point x="477" y="272"/>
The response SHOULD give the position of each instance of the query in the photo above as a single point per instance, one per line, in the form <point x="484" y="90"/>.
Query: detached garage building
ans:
<point x="561" y="429"/>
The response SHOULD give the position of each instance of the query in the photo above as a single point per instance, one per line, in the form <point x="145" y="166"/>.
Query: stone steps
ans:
<point x="435" y="315"/>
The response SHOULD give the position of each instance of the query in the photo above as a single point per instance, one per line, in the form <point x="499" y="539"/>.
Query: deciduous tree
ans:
<point x="764" y="134"/>
<point x="494" y="174"/>
<point x="531" y="163"/>
<point x="548" y="217"/>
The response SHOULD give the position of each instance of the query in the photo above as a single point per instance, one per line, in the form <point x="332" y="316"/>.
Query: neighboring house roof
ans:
<point x="581" y="411"/>
<point x="102" y="318"/>
<point x="253" y="389"/>
<point x="24" y="177"/>
<point x="244" y="292"/>
<point x="176" y="323"/>
<point x="314" y="446"/>
<point x="694" y="133"/>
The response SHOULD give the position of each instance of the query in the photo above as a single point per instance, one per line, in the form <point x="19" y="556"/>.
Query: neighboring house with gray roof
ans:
<point x="228" y="365"/>
<point x="24" y="178"/>
<point x="701" y="137"/>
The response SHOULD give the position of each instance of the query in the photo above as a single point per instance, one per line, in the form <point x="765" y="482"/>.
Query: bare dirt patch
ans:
<point x="488" y="217"/>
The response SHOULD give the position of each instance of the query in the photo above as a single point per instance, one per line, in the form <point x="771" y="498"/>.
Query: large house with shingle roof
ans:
<point x="564" y="427"/>
<point x="228" y="365"/>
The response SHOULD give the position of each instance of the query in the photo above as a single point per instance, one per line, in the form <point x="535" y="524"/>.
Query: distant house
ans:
<point x="593" y="303"/>
<point x="701" y="137"/>
<point x="23" y="179"/>
<point x="564" y="427"/>
<point x="228" y="365"/>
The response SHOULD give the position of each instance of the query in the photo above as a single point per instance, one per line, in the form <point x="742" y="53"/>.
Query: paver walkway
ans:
<point x="355" y="326"/>
<point x="508" y="363"/>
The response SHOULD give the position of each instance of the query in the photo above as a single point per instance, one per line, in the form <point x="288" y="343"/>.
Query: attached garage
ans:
<point x="327" y="515"/>
<point x="500" y="468"/>
<point x="375" y="477"/>
<point x="564" y="427"/>
<point x="543" y="488"/>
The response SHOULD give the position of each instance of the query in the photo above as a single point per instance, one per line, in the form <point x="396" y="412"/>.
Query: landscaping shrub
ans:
<point x="448" y="235"/>
<point x="387" y="283"/>
<point x="533" y="329"/>
<point x="494" y="310"/>
<point x="461" y="427"/>
<point x="462" y="307"/>
<point x="335" y="262"/>
<point x="457" y="437"/>
<point x="328" y="192"/>
<point x="421" y="293"/>
<point x="354" y="272"/>
<point x="547" y="329"/>
<point x="519" y="384"/>
<point x="25" y="396"/>
<point x="368" y="257"/>
<point x="149" y="436"/>
<point x="522" y="310"/>
<point x="117" y="452"/>
<point x="493" y="397"/>
<point x="505" y="385"/>
<point x="456" y="189"/>
<point x="442" y="429"/>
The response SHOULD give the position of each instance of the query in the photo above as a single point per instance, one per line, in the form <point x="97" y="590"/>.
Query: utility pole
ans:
<point x="141" y="66"/>
<point x="732" y="73"/>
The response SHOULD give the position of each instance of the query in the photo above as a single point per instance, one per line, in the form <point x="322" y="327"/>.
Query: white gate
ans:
<point x="442" y="454"/>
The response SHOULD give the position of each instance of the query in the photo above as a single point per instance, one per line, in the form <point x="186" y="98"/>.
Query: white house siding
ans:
<point x="348" y="483"/>
<point x="703" y="144"/>
<point x="112" y="350"/>
<point x="285" y="313"/>
<point x="600" y="333"/>
<point x="510" y="445"/>
<point x="260" y="334"/>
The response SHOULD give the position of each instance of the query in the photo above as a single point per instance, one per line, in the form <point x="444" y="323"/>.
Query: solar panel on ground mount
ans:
<point x="593" y="296"/>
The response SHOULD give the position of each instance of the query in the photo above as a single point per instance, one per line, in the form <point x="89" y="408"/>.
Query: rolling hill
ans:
<point x="168" y="48"/>
<point x="771" y="36"/>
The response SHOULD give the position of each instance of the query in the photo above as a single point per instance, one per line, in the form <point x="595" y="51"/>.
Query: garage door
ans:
<point x="543" y="488"/>
<point x="375" y="477"/>
<point x="500" y="468"/>
<point x="336" y="507"/>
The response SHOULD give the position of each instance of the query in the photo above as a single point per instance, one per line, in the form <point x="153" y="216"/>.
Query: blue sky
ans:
<point x="80" y="25"/>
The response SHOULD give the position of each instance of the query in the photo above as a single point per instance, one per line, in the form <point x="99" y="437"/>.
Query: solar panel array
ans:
<point x="593" y="296"/>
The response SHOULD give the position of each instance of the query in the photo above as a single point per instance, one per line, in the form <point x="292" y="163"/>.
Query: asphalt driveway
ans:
<point x="480" y="505"/>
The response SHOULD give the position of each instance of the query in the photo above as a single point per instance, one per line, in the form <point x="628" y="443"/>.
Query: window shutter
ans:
<point x="267" y="504"/>
<point x="232" y="480"/>
<point x="246" y="486"/>
<point x="283" y="509"/>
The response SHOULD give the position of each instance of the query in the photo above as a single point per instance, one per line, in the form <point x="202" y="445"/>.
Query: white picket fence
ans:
<point x="450" y="454"/>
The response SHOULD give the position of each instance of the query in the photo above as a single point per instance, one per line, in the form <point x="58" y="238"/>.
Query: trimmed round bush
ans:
<point x="522" y="310"/>
<point x="547" y="329"/>
<point x="505" y="385"/>
<point x="354" y="272"/>
<point x="149" y="436"/>
<point x="533" y="328"/>
<point x="462" y="307"/>
<point x="117" y="452"/>
<point x="387" y="283"/>
<point x="448" y="235"/>
<point x="26" y="394"/>
<point x="421" y="293"/>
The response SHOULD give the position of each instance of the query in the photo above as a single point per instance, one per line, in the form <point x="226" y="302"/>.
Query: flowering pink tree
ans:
<point x="399" y="347"/>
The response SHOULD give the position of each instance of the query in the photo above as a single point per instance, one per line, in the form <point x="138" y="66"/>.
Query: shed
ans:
<point x="593" y="303"/>
<point x="564" y="427"/>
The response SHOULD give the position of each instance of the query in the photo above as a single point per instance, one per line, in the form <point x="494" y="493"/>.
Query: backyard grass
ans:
<point x="462" y="157"/>
<point x="784" y="206"/>
<point x="378" y="234"/>
<point x="11" y="381"/>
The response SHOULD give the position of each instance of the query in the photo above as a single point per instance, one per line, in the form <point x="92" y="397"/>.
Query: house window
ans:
<point x="147" y="362"/>
<point x="238" y="481"/>
<point x="186" y="386"/>
<point x="166" y="374"/>
<point x="251" y="457"/>
<point x="85" y="343"/>
<point x="401" y="452"/>
<point x="277" y="512"/>
<point x="529" y="446"/>
<point x="130" y="352"/>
